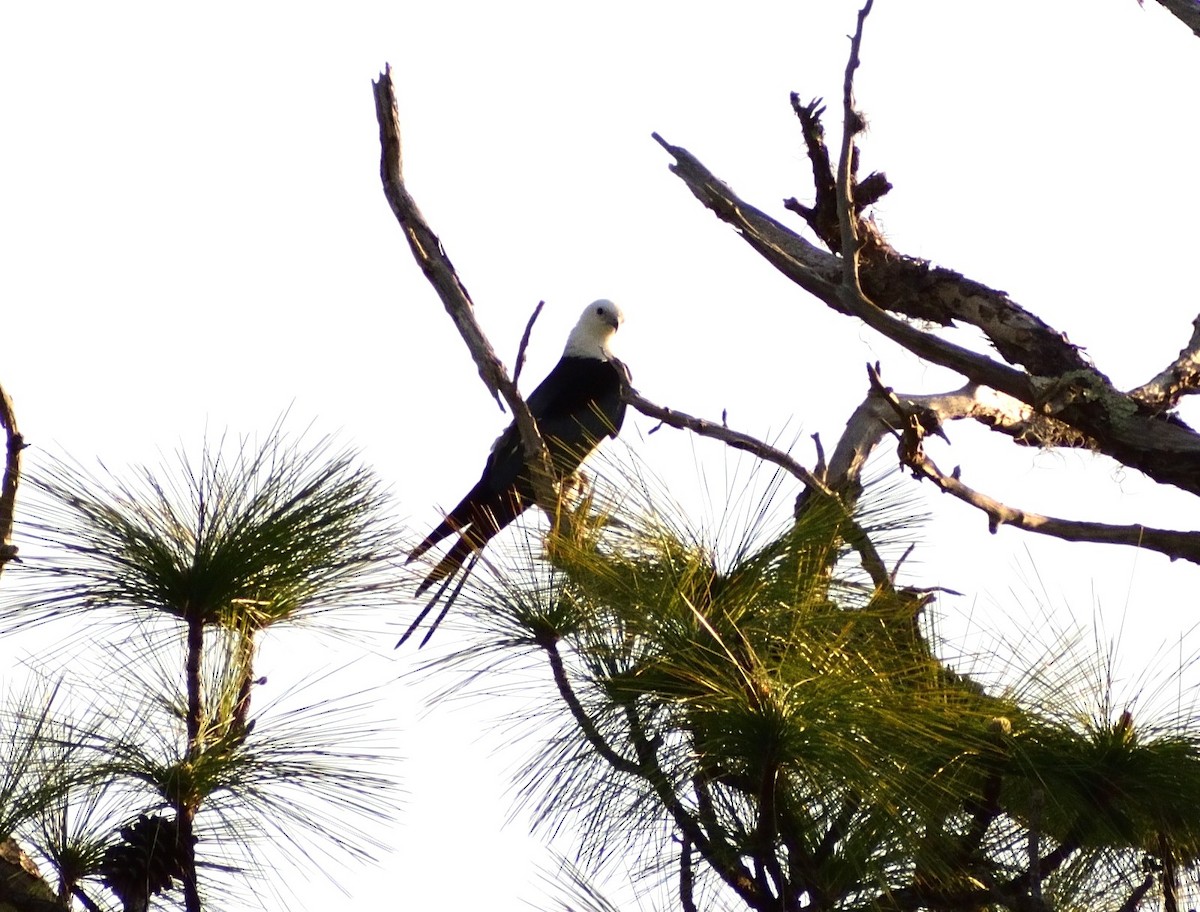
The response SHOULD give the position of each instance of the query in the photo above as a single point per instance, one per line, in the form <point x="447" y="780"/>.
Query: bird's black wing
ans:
<point x="576" y="405"/>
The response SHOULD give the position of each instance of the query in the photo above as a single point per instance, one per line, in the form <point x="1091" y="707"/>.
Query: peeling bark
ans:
<point x="1180" y="378"/>
<point x="1052" y="377"/>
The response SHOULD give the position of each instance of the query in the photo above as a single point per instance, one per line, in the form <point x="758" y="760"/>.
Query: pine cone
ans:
<point x="146" y="862"/>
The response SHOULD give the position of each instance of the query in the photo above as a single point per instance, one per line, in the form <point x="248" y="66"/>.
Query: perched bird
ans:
<point x="576" y="406"/>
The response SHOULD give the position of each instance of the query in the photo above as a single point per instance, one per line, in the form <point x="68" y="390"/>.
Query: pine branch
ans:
<point x="720" y="856"/>
<point x="687" y="878"/>
<point x="582" y="719"/>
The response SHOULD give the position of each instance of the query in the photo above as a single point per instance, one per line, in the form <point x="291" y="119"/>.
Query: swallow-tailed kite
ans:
<point x="576" y="406"/>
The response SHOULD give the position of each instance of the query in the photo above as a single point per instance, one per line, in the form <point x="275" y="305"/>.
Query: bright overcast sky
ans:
<point x="193" y="235"/>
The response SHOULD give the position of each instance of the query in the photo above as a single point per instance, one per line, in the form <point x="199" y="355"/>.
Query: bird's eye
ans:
<point x="599" y="311"/>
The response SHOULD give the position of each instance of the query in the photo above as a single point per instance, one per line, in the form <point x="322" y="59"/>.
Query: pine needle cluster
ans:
<point x="148" y="769"/>
<point x="755" y="724"/>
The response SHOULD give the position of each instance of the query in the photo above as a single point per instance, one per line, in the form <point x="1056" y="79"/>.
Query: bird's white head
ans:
<point x="595" y="329"/>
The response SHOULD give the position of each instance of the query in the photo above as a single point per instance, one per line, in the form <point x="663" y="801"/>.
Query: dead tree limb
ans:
<point x="1186" y="11"/>
<point x="1053" y="378"/>
<point x="1047" y="394"/>
<point x="842" y="499"/>
<point x="911" y="422"/>
<point x="431" y="257"/>
<point x="1180" y="378"/>
<point x="519" y="364"/>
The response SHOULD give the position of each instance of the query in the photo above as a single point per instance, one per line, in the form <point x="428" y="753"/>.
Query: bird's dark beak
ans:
<point x="612" y="321"/>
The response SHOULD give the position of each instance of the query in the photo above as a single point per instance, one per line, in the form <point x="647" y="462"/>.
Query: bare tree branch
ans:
<point x="15" y="443"/>
<point x="432" y="258"/>
<point x="916" y="288"/>
<point x="1186" y="11"/>
<point x="852" y="125"/>
<point x="820" y="273"/>
<point x="1179" y="379"/>
<point x="822" y="215"/>
<point x="877" y="417"/>
<point x="1079" y="397"/>
<point x="854" y="534"/>
<point x="1174" y="544"/>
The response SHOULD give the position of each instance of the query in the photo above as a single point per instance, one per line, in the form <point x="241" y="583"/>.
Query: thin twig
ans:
<point x="1138" y="894"/>
<point x="519" y="364"/>
<point x="822" y="469"/>
<point x="1036" y="801"/>
<point x="852" y="125"/>
<point x="854" y="534"/>
<point x="1175" y="544"/>
<point x="970" y="364"/>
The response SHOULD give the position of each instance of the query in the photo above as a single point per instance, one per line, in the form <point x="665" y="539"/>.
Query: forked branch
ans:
<point x="1180" y="378"/>
<point x="912" y="427"/>
<point x="842" y="500"/>
<point x="886" y="289"/>
<point x="431" y="257"/>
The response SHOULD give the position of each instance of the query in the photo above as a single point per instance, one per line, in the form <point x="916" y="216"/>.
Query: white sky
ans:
<point x="193" y="234"/>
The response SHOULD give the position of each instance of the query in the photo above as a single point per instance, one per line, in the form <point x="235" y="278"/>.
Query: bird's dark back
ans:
<point x="576" y="406"/>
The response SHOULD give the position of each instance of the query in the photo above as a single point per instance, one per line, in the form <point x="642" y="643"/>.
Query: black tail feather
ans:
<point x="451" y="600"/>
<point x="455" y="521"/>
<point x="450" y="562"/>
<point x="412" y="628"/>
<point x="466" y="514"/>
<point x="477" y="520"/>
<point x="437" y="597"/>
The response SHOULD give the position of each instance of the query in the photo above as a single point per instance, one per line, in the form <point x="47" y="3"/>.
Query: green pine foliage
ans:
<point x="756" y="724"/>
<point x="148" y="771"/>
